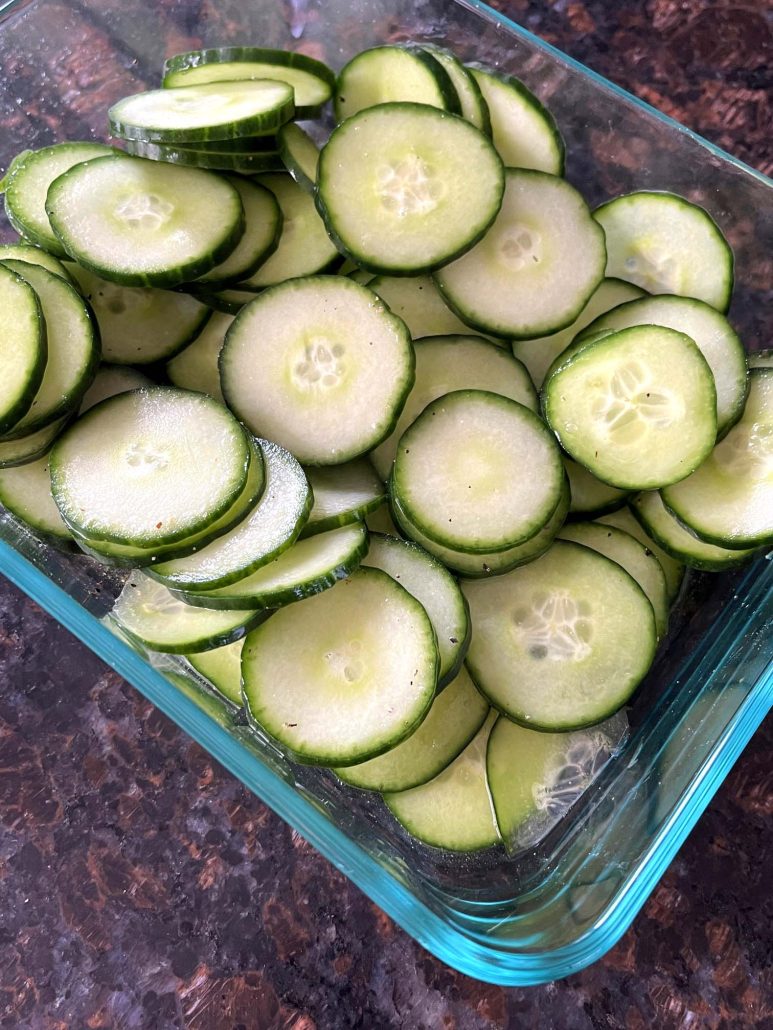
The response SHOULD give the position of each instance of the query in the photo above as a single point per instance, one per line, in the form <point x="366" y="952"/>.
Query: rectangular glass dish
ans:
<point x="549" y="911"/>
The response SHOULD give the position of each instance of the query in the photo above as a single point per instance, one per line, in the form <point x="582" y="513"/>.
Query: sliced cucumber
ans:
<point x="270" y="528"/>
<point x="388" y="74"/>
<point x="311" y="80"/>
<point x="23" y="346"/>
<point x="300" y="155"/>
<point x="222" y="667"/>
<point x="637" y="407"/>
<point x="210" y="110"/>
<point x="418" y="301"/>
<point x="535" y="777"/>
<point x="307" y="568"/>
<point x="149" y="467"/>
<point x="525" y="132"/>
<point x="453" y="810"/>
<point x="145" y="223"/>
<point x="196" y="367"/>
<point x="711" y="331"/>
<point x="761" y="358"/>
<point x="590" y="496"/>
<point x="448" y="363"/>
<point x="26" y="492"/>
<point x="658" y="522"/>
<point x="477" y="472"/>
<point x="473" y="107"/>
<point x="536" y="268"/>
<point x="27" y="184"/>
<point x="320" y="365"/>
<point x="214" y="160"/>
<point x="343" y="494"/>
<point x="35" y="256"/>
<point x="73" y="349"/>
<point x="665" y="244"/>
<point x="28" y="448"/>
<point x="357" y="678"/>
<point x="149" y="614"/>
<point x="304" y="246"/>
<point x="728" y="501"/>
<point x="539" y="354"/>
<point x="478" y="566"/>
<point x="454" y="719"/>
<point x="406" y="188"/>
<point x="111" y="380"/>
<point x="432" y="585"/>
<point x="262" y="232"/>
<point x="546" y="640"/>
<point x="672" y="569"/>
<point x="637" y="560"/>
<point x="380" y="521"/>
<point x="140" y="326"/>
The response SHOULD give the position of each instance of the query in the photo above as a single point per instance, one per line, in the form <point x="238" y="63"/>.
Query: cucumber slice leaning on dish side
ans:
<point x="23" y="347"/>
<point x="390" y="74"/>
<point x="300" y="155"/>
<point x="473" y="107"/>
<point x="222" y="667"/>
<point x="26" y="492"/>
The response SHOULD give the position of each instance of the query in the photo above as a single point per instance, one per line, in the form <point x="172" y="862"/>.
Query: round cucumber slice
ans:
<point x="672" y="569"/>
<point x="300" y="155"/>
<point x="473" y="107"/>
<point x="35" y="256"/>
<point x="23" y="346"/>
<point x="196" y="367"/>
<point x="536" y="268"/>
<point x="389" y="74"/>
<point x="636" y="407"/>
<point x="448" y="363"/>
<point x="665" y="244"/>
<point x="344" y="676"/>
<point x="417" y="300"/>
<point x="460" y="473"/>
<point x="342" y="494"/>
<point x="453" y="720"/>
<point x="149" y="467"/>
<point x="320" y="365"/>
<point x="145" y="223"/>
<point x="29" y="448"/>
<point x="406" y="188"/>
<point x="546" y="647"/>
<point x="111" y="380"/>
<point x="589" y="495"/>
<point x="454" y="810"/>
<point x="26" y="492"/>
<point x="214" y="160"/>
<point x="27" y="184"/>
<point x="222" y="667"/>
<point x="262" y="232"/>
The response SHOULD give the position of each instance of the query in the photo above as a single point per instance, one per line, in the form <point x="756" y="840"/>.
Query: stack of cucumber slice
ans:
<point x="404" y="448"/>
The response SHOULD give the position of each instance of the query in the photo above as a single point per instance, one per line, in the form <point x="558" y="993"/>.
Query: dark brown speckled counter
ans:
<point x="142" y="887"/>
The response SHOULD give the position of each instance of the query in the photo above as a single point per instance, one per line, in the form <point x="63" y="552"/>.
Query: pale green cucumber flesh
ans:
<point x="342" y="494"/>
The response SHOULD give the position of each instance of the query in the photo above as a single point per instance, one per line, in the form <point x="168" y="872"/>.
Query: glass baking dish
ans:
<point x="549" y="911"/>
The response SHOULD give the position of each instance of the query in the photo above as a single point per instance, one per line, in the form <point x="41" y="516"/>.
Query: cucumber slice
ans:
<point x="658" y="522"/>
<point x="761" y="358"/>
<point x="214" y="160"/>
<point x="211" y="110"/>
<point x="389" y="74"/>
<point x="637" y="407"/>
<point x="26" y="492"/>
<point x="311" y="80"/>
<point x="380" y="521"/>
<point x="148" y="614"/>
<point x="406" y="188"/>
<point x="540" y="353"/>
<point x="27" y="184"/>
<point x="436" y="589"/>
<point x="244" y="145"/>
<point x="472" y="105"/>
<point x="546" y="641"/>
<point x="23" y="346"/>
<point x="454" y="719"/>
<point x="320" y="365"/>
<point x="342" y="494"/>
<point x="357" y="677"/>
<point x="536" y="268"/>
<point x="535" y="777"/>
<point x="300" y="155"/>
<point x="28" y="448"/>
<point x="73" y="349"/>
<point x="222" y="667"/>
<point x="140" y="326"/>
<point x="637" y="560"/>
<point x="459" y="472"/>
<point x="728" y="501"/>
<point x="111" y="380"/>
<point x="478" y="566"/>
<point x="228" y="301"/>
<point x="123" y="472"/>
<point x="196" y="367"/>
<point x="590" y="496"/>
<point x="672" y="569"/>
<point x="307" y="568"/>
<point x="35" y="256"/>
<point x="448" y="363"/>
<point x="270" y="528"/>
<point x="262" y="232"/>
<point x="665" y="244"/>
<point x="304" y="246"/>
<point x="525" y="132"/>
<point x="711" y="331"/>
<point x="145" y="223"/>
<point x="418" y="301"/>
<point x="453" y="810"/>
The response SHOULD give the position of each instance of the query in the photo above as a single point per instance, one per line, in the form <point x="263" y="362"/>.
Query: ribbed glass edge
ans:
<point x="466" y="954"/>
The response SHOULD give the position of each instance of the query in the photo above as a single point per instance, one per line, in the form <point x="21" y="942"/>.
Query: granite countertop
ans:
<point x="142" y="886"/>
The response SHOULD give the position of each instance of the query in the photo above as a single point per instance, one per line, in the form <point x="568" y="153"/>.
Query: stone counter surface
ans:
<point x="141" y="886"/>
